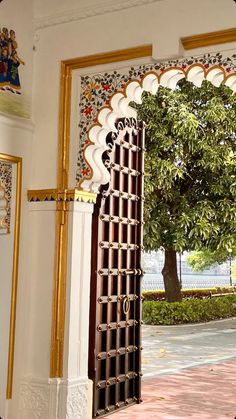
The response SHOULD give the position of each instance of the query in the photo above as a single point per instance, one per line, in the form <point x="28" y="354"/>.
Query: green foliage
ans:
<point x="190" y="166"/>
<point x="158" y="295"/>
<point x="189" y="311"/>
<point x="205" y="258"/>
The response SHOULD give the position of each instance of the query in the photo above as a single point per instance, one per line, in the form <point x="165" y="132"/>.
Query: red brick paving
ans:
<point x="207" y="392"/>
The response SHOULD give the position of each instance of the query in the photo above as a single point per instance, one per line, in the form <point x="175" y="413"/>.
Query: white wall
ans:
<point x="161" y="23"/>
<point x="41" y="275"/>
<point x="16" y="135"/>
<point x="16" y="140"/>
<point x="45" y="7"/>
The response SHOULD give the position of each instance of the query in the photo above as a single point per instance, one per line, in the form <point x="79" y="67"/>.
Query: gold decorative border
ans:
<point x="59" y="296"/>
<point x="11" y="350"/>
<point x="123" y="91"/>
<point x="66" y="195"/>
<point x="209" y="38"/>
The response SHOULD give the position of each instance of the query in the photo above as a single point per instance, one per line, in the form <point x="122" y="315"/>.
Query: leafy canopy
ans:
<point x="190" y="183"/>
<point x="204" y="259"/>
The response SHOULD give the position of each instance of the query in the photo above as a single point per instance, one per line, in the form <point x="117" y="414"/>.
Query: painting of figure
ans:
<point x="9" y="62"/>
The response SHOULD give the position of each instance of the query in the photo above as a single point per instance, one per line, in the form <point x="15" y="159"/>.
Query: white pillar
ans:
<point x="36" y="395"/>
<point x="69" y="397"/>
<point x="76" y="400"/>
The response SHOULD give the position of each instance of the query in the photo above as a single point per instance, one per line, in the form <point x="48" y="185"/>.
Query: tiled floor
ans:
<point x="207" y="392"/>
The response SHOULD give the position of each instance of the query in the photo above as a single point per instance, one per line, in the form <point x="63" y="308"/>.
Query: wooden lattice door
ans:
<point x="116" y="301"/>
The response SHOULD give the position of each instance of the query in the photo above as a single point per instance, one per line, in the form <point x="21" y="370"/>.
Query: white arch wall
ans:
<point x="64" y="32"/>
<point x="119" y="107"/>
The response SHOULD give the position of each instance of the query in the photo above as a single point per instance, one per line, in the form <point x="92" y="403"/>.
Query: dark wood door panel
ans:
<point x="116" y="301"/>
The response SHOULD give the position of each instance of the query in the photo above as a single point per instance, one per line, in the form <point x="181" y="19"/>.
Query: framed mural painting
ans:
<point x="12" y="98"/>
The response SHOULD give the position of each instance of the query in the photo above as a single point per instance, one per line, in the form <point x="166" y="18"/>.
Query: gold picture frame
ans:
<point x="11" y="348"/>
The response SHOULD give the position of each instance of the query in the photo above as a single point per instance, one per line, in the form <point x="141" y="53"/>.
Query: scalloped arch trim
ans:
<point x="119" y="108"/>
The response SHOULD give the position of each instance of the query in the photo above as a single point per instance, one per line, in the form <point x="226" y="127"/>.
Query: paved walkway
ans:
<point x="168" y="349"/>
<point x="189" y="372"/>
<point x="207" y="392"/>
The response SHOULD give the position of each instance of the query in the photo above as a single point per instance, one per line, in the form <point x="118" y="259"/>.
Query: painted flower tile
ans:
<point x="6" y="183"/>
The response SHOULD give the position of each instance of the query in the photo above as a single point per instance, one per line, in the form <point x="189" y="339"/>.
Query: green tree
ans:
<point x="205" y="258"/>
<point x="190" y="183"/>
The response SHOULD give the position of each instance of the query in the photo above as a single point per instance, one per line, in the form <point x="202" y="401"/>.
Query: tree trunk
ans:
<point x="170" y="276"/>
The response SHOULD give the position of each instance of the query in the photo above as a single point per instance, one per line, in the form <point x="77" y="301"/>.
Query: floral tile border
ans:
<point x="96" y="89"/>
<point x="6" y="182"/>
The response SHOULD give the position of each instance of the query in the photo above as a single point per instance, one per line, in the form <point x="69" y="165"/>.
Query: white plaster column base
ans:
<point x="55" y="399"/>
<point x="35" y="399"/>
<point x="75" y="399"/>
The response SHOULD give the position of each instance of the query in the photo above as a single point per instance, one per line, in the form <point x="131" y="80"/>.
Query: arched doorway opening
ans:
<point x="96" y="156"/>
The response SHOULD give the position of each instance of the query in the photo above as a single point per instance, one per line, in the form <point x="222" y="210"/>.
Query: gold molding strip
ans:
<point x="209" y="38"/>
<point x="110" y="57"/>
<point x="11" y="348"/>
<point x="57" y="195"/>
<point x="59" y="297"/>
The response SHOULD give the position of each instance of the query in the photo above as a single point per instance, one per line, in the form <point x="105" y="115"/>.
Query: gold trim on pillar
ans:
<point x="59" y="296"/>
<point x="57" y="195"/>
<point x="11" y="349"/>
<point x="209" y="38"/>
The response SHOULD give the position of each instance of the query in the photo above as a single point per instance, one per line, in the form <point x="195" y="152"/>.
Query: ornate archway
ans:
<point x="101" y="157"/>
<point x="118" y="107"/>
<point x="77" y="204"/>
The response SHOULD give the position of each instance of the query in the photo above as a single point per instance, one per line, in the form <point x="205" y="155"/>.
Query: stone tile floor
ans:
<point x="207" y="392"/>
<point x="169" y="349"/>
<point x="189" y="372"/>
